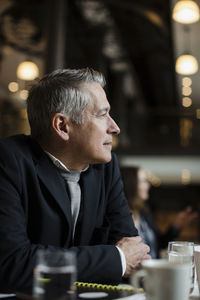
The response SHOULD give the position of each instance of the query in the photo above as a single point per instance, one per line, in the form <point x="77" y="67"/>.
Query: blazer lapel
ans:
<point x="54" y="183"/>
<point x="90" y="190"/>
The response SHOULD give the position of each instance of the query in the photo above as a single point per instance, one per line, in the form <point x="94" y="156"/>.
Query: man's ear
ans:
<point x="60" y="124"/>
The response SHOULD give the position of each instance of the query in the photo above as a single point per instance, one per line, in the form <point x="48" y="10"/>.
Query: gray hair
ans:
<point x="59" y="92"/>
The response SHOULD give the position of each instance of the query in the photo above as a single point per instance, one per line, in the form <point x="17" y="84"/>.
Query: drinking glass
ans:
<point x="182" y="252"/>
<point x="54" y="275"/>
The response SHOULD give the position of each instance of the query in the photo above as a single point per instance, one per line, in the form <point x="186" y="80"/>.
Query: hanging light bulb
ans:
<point x="27" y="70"/>
<point x="186" y="12"/>
<point x="186" y="64"/>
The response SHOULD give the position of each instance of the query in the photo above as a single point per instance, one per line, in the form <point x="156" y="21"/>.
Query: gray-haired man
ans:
<point x="61" y="188"/>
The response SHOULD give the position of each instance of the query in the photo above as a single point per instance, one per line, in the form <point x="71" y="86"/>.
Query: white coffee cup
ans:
<point x="163" y="279"/>
<point x="197" y="262"/>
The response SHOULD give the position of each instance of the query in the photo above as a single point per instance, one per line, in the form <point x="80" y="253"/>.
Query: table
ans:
<point x="112" y="294"/>
<point x="82" y="293"/>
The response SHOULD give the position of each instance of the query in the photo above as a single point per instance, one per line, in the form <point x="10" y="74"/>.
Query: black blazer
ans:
<point x="35" y="213"/>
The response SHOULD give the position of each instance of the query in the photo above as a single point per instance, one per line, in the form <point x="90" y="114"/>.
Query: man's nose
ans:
<point x="113" y="127"/>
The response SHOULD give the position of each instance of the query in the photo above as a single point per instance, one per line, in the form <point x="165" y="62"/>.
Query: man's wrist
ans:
<point x="123" y="260"/>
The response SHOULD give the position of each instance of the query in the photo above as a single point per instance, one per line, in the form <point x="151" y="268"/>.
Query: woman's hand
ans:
<point x="184" y="217"/>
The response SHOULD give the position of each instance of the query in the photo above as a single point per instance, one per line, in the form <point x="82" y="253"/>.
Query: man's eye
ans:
<point x="103" y="114"/>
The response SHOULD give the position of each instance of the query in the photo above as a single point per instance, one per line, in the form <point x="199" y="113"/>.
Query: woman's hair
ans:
<point x="130" y="180"/>
<point x="61" y="91"/>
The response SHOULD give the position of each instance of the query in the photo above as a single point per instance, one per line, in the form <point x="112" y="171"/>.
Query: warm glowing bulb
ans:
<point x="186" y="101"/>
<point x="186" y="64"/>
<point x="186" y="90"/>
<point x="13" y="86"/>
<point x="23" y="94"/>
<point x="27" y="70"/>
<point x="186" y="81"/>
<point x="186" y="12"/>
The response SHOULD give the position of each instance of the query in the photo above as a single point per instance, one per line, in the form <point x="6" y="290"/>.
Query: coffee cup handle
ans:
<point x="135" y="279"/>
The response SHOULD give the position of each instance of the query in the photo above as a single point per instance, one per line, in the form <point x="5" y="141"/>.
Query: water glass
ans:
<point x="54" y="275"/>
<point x="183" y="252"/>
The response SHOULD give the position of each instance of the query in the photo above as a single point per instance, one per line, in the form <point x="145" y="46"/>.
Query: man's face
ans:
<point x="91" y="142"/>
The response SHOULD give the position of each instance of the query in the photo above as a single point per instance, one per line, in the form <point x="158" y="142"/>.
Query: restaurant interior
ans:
<point x="154" y="97"/>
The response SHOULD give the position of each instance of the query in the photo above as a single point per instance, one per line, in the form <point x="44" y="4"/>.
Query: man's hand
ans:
<point x="135" y="251"/>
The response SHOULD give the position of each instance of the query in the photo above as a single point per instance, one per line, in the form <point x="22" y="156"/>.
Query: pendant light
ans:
<point x="186" y="64"/>
<point x="186" y="12"/>
<point x="27" y="70"/>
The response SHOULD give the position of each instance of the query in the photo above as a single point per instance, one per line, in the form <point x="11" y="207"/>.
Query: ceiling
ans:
<point x="113" y="36"/>
<point x="127" y="37"/>
<point x="132" y="40"/>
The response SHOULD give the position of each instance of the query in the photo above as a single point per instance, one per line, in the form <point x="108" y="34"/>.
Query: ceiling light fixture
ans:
<point x="186" y="12"/>
<point x="186" y="81"/>
<point x="186" y="90"/>
<point x="187" y="64"/>
<point x="186" y="101"/>
<point x="23" y="94"/>
<point x="13" y="87"/>
<point x="27" y="70"/>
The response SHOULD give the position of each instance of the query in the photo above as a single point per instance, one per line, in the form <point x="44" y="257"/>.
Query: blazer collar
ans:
<point x="91" y="190"/>
<point x="51" y="178"/>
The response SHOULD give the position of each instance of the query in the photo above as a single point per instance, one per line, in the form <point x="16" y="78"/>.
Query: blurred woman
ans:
<point x="136" y="188"/>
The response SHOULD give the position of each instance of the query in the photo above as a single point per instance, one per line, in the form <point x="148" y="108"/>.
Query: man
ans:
<point x="60" y="188"/>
